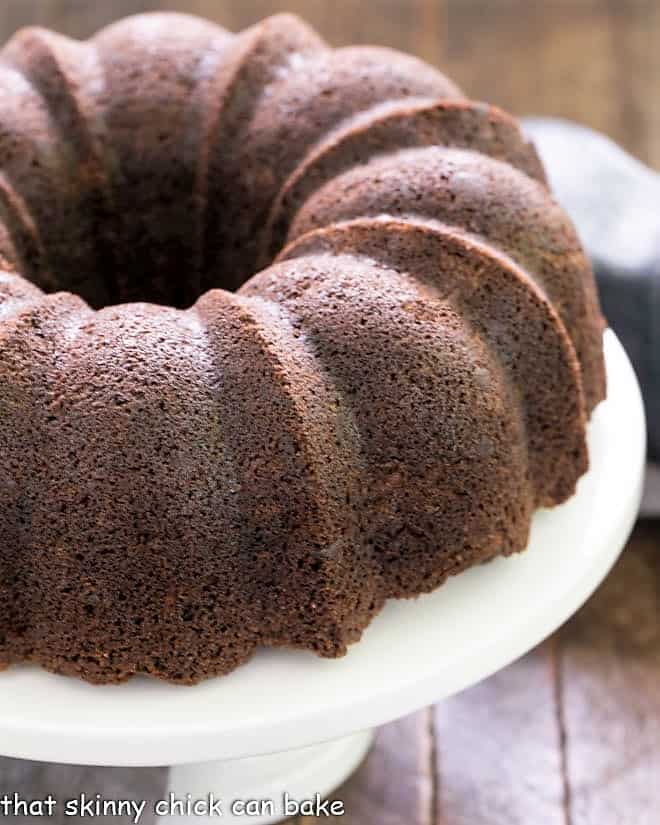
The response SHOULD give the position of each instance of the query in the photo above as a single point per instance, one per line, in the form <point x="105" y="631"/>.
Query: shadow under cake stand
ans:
<point x="290" y="722"/>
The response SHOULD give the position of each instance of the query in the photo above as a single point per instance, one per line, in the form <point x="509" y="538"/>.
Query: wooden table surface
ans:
<point x="570" y="734"/>
<point x="595" y="61"/>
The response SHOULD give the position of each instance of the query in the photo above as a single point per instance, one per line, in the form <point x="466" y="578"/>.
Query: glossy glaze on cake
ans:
<point x="196" y="460"/>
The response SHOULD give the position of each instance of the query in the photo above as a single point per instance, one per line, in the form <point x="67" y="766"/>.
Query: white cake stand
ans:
<point x="255" y="734"/>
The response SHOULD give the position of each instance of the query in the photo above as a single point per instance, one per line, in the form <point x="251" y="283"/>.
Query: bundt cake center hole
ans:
<point x="156" y="278"/>
<point x="144" y="269"/>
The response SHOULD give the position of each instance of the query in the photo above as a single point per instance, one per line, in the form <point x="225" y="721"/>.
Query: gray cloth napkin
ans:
<point x="612" y="198"/>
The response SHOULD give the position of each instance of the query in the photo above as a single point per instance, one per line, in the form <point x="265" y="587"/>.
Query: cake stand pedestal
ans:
<point x="291" y="723"/>
<point x="253" y="789"/>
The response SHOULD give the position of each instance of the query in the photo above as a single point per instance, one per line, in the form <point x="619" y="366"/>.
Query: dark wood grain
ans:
<point x="498" y="753"/>
<point x="593" y="61"/>
<point x="610" y="677"/>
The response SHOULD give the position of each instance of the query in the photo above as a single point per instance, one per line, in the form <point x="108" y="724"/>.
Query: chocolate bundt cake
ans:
<point x="196" y="460"/>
